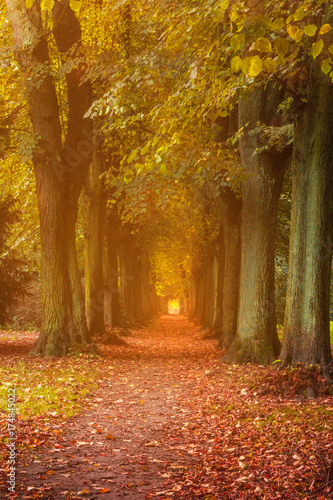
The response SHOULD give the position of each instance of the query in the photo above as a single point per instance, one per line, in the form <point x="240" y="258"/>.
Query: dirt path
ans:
<point x="129" y="441"/>
<point x="169" y="420"/>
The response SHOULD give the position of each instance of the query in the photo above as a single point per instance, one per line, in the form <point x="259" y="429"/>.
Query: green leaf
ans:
<point x="310" y="30"/>
<point x="316" y="48"/>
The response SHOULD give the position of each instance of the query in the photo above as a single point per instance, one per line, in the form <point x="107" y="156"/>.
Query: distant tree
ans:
<point x="14" y="275"/>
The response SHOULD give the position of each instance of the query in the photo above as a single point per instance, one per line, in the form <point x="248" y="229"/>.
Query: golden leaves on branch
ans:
<point x="281" y="46"/>
<point x="48" y="4"/>
<point x="310" y="29"/>
<point x="316" y="48"/>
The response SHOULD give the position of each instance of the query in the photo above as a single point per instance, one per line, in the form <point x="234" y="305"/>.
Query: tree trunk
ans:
<point x="60" y="171"/>
<point x="95" y="215"/>
<point x="112" y="304"/>
<point x="230" y="207"/>
<point x="256" y="339"/>
<point x="220" y="257"/>
<point x="306" y="332"/>
<point x="127" y="275"/>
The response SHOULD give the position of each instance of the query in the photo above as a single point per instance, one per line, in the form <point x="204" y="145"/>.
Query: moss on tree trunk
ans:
<point x="306" y="332"/>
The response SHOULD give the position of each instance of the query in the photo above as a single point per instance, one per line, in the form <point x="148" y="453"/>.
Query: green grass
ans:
<point x="47" y="387"/>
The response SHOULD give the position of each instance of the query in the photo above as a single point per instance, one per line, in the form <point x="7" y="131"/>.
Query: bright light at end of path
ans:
<point x="173" y="306"/>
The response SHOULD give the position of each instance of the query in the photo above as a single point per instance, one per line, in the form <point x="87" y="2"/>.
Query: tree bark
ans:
<point x="306" y="332"/>
<point x="256" y="339"/>
<point x="112" y="303"/>
<point x="60" y="170"/>
<point x="127" y="243"/>
<point x="230" y="207"/>
<point x="95" y="218"/>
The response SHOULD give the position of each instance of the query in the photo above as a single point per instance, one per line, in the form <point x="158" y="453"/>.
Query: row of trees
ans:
<point x="180" y="122"/>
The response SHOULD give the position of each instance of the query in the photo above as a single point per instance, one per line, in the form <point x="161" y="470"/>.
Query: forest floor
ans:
<point x="161" y="418"/>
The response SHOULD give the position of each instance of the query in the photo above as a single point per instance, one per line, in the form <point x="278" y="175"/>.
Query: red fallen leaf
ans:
<point x="103" y="490"/>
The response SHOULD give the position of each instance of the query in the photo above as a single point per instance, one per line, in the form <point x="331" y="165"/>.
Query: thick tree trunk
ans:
<point x="127" y="243"/>
<point x="306" y="332"/>
<point x="95" y="215"/>
<point x="112" y="303"/>
<point x="220" y="257"/>
<point x="210" y="283"/>
<point x="230" y="211"/>
<point x="60" y="171"/>
<point x="256" y="339"/>
<point x="137" y="285"/>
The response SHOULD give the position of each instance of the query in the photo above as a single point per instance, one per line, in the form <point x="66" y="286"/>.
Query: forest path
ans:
<point x="169" y="420"/>
<point x="131" y="441"/>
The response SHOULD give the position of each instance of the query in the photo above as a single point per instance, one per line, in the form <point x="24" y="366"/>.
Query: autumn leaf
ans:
<point x="263" y="45"/>
<point x="316" y="48"/>
<point x="236" y="64"/>
<point x="310" y="30"/>
<point x="75" y="5"/>
<point x="281" y="46"/>
<point x="236" y="42"/>
<point x="326" y="66"/>
<point x="256" y="66"/>
<point x="293" y="31"/>
<point x="47" y="4"/>
<point x="325" y="29"/>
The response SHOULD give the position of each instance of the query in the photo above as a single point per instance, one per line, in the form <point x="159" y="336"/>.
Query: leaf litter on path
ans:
<point x="164" y="418"/>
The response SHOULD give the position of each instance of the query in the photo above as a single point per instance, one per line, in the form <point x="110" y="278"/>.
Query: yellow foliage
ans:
<point x="236" y="42"/>
<point x="47" y="4"/>
<point x="256" y="66"/>
<point x="293" y="31"/>
<point x="325" y="29"/>
<point x="236" y="64"/>
<point x="326" y="67"/>
<point x="310" y="30"/>
<point x="281" y="46"/>
<point x="299" y="14"/>
<point x="75" y="5"/>
<point x="246" y="64"/>
<point x="263" y="45"/>
<point x="269" y="65"/>
<point x="316" y="48"/>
